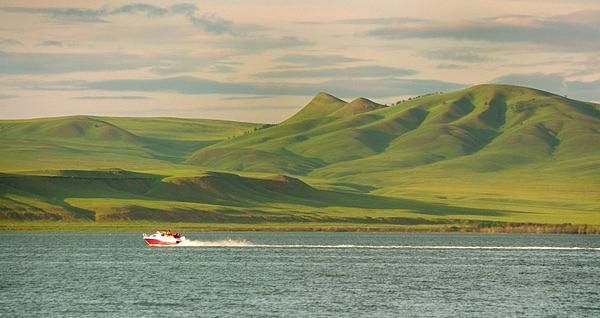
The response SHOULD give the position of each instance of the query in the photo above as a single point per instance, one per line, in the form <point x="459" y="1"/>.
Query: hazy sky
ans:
<point x="262" y="60"/>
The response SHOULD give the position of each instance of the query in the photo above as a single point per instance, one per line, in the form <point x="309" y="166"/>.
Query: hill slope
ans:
<point x="489" y="153"/>
<point x="89" y="142"/>
<point x="485" y="128"/>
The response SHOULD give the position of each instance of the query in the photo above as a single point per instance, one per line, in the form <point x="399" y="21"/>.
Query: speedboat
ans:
<point x="163" y="238"/>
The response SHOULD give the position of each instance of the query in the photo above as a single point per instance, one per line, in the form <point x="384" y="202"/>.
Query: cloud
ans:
<point x="90" y="15"/>
<point x="174" y="68"/>
<point x="246" y="97"/>
<point x="348" y="72"/>
<point x="575" y="32"/>
<point x="213" y="24"/>
<point x="369" y="21"/>
<point x="5" y="96"/>
<point x="10" y="42"/>
<point x="549" y="82"/>
<point x="584" y="90"/>
<point x="246" y="108"/>
<point x="315" y="60"/>
<point x="41" y="85"/>
<point x="123" y="97"/>
<point x="210" y="23"/>
<point x="168" y="64"/>
<point x="50" y="63"/>
<point x="388" y="20"/>
<point x="222" y="68"/>
<point x="253" y="44"/>
<point x="63" y="14"/>
<point x="200" y="86"/>
<point x="554" y="83"/>
<point x="465" y="55"/>
<point x="387" y="87"/>
<point x="184" y="8"/>
<point x="56" y="63"/>
<point x="590" y="66"/>
<point x="585" y="16"/>
<point x="189" y="85"/>
<point x="51" y="43"/>
<point x="140" y="8"/>
<point x="449" y="66"/>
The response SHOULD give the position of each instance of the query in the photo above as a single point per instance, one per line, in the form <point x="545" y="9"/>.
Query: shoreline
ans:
<point x="491" y="228"/>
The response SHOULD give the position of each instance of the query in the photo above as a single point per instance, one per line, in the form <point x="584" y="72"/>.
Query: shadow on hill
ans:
<point x="240" y="159"/>
<point x="585" y="108"/>
<point x="174" y="151"/>
<point x="252" y="216"/>
<point x="52" y="188"/>
<point x="223" y="214"/>
<point x="354" y="187"/>
<point x="369" y="201"/>
<point x="495" y="114"/>
<point x="219" y="189"/>
<point x="22" y="210"/>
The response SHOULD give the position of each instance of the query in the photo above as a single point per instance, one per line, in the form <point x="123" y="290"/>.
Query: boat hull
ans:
<point x="163" y="238"/>
<point x="156" y="242"/>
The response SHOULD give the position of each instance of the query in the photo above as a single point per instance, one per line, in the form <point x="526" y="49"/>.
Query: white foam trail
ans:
<point x="437" y="247"/>
<point x="243" y="243"/>
<point x="219" y="243"/>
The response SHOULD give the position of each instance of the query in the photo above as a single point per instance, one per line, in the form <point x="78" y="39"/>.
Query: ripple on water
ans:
<point x="300" y="274"/>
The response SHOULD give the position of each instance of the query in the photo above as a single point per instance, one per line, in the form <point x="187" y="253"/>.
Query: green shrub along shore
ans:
<point x="53" y="226"/>
<point x="490" y="158"/>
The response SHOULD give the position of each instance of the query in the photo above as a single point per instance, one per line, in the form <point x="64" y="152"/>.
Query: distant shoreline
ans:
<point x="506" y="228"/>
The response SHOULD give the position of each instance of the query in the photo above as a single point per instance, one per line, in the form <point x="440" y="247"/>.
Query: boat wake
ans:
<point x="219" y="243"/>
<point x="244" y="243"/>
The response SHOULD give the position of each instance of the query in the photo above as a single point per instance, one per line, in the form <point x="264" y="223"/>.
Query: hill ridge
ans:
<point x="322" y="105"/>
<point x="479" y="120"/>
<point x="357" y="106"/>
<point x="488" y="153"/>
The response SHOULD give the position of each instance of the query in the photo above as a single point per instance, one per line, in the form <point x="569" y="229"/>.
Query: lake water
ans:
<point x="300" y="275"/>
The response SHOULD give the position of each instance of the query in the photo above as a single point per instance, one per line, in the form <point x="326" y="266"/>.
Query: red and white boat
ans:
<point x="163" y="238"/>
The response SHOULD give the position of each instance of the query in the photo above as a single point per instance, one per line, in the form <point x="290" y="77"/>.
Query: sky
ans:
<point x="262" y="60"/>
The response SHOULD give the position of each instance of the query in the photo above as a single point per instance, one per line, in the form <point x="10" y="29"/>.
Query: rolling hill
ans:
<point x="89" y="142"/>
<point x="488" y="153"/>
<point x="485" y="128"/>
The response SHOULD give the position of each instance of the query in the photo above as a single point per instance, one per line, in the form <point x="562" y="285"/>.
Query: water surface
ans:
<point x="300" y="274"/>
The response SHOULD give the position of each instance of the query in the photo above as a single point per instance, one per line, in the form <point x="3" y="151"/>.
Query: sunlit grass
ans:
<point x="491" y="153"/>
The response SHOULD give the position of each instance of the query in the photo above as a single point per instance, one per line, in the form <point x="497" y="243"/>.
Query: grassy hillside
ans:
<point x="489" y="146"/>
<point x="88" y="142"/>
<point x="119" y="195"/>
<point x="489" y="153"/>
<point x="486" y="127"/>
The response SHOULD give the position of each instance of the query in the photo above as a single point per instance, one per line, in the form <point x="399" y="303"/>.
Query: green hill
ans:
<point x="484" y="128"/>
<point x="489" y="153"/>
<point x="89" y="142"/>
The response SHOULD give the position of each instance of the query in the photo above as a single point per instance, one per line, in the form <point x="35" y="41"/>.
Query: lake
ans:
<point x="300" y="274"/>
